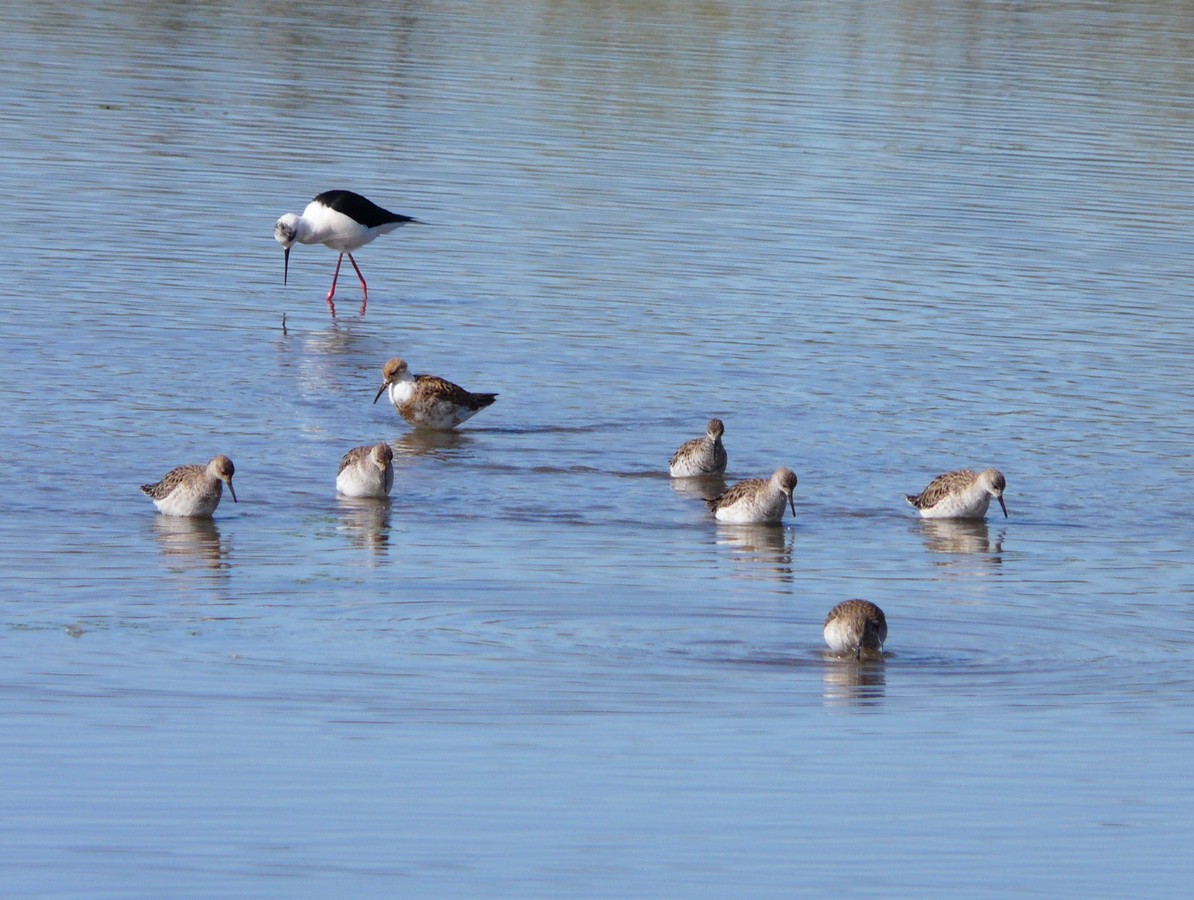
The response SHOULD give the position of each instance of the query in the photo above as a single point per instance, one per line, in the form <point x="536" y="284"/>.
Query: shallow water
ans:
<point x="879" y="242"/>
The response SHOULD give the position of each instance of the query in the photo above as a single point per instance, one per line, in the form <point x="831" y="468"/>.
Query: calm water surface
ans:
<point x="878" y="240"/>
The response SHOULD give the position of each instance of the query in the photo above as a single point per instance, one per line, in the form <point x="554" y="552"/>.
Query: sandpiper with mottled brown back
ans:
<point x="427" y="401"/>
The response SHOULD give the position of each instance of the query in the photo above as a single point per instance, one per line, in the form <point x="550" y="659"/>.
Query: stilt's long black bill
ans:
<point x="380" y="391"/>
<point x="792" y="503"/>
<point x="231" y="491"/>
<point x="1003" y="506"/>
<point x="285" y="264"/>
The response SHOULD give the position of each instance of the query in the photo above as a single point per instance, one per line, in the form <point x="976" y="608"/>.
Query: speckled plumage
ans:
<point x="427" y="401"/>
<point x="757" y="501"/>
<point x="192" y="490"/>
<point x="366" y="471"/>
<point x="963" y="494"/>
<point x="701" y="456"/>
<point x="854" y="626"/>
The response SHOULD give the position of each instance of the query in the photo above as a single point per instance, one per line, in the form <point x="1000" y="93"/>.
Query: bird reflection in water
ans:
<point x="426" y="442"/>
<point x="366" y="521"/>
<point x="313" y="363"/>
<point x="192" y="541"/>
<point x="758" y="551"/>
<point x="700" y="487"/>
<point x="849" y="682"/>
<point x="962" y="537"/>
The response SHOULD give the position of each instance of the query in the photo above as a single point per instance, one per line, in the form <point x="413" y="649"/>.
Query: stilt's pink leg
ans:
<point x="364" y="287"/>
<point x="332" y="290"/>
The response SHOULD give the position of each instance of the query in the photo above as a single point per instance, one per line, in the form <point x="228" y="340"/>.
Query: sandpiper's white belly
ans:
<point x="365" y="480"/>
<point x="760" y="508"/>
<point x="198" y="498"/>
<point x="970" y="504"/>
<point x="841" y="636"/>
<point x="442" y="414"/>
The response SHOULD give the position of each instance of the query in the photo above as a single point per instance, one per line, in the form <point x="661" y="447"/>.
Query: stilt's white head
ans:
<point x="286" y="233"/>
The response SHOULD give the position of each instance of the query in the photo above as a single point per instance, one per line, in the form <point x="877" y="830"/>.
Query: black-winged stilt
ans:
<point x="341" y="220"/>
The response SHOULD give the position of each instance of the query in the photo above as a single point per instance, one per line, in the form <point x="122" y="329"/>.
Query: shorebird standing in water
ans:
<point x="701" y="456"/>
<point x="756" y="501"/>
<point x="854" y="626"/>
<point x="341" y="220"/>
<point x="366" y="471"/>
<point x="426" y="401"/>
<point x="963" y="494"/>
<point x="192" y="490"/>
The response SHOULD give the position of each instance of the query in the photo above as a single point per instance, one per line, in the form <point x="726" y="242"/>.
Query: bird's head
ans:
<point x="393" y="371"/>
<point x="382" y="455"/>
<point x="286" y="233"/>
<point x="996" y="484"/>
<point x="785" y="479"/>
<point x="221" y="467"/>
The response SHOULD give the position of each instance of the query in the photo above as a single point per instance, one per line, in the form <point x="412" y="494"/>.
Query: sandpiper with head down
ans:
<point x="192" y="490"/>
<point x="963" y="494"/>
<point x="854" y="626"/>
<point x="426" y="401"/>
<point x="366" y="471"/>
<point x="756" y="501"/>
<point x="341" y="220"/>
<point x="701" y="456"/>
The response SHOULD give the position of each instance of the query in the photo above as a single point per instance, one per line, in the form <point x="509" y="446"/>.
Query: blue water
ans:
<point x="879" y="242"/>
